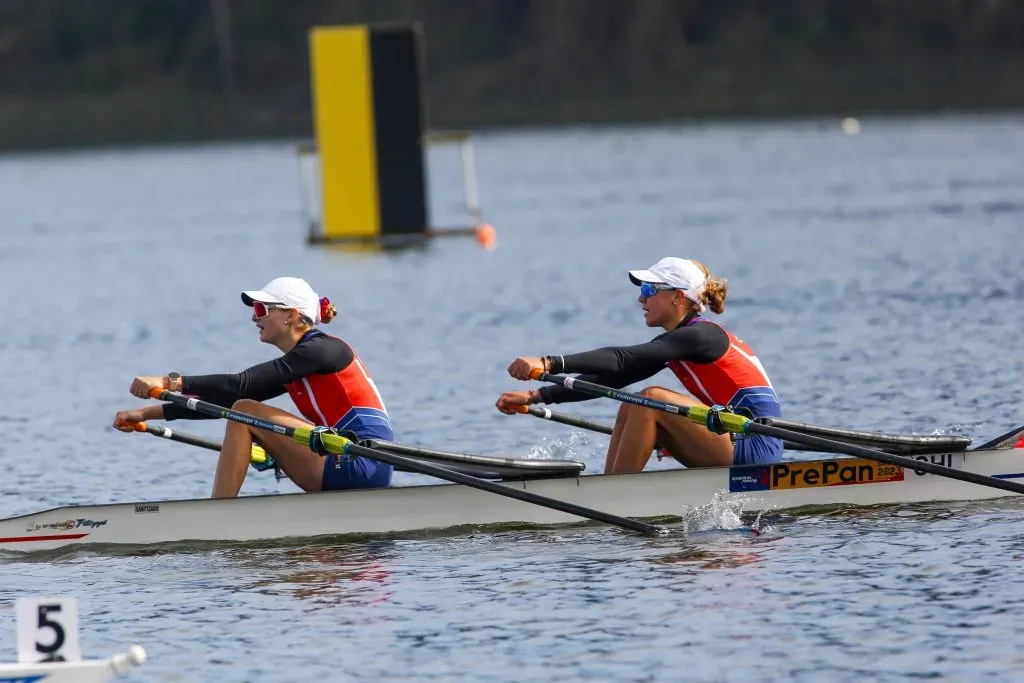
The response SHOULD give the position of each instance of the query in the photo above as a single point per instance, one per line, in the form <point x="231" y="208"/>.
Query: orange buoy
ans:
<point x="487" y="236"/>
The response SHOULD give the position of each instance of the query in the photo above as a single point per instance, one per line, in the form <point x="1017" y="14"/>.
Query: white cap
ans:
<point x="680" y="273"/>
<point x="293" y="292"/>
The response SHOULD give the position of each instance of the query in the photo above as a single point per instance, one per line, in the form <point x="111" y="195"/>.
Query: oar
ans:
<point x="258" y="456"/>
<point x="572" y="421"/>
<point x="339" y="445"/>
<point x="731" y="422"/>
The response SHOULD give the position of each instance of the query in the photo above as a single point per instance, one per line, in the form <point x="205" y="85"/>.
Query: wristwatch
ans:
<point x="173" y="379"/>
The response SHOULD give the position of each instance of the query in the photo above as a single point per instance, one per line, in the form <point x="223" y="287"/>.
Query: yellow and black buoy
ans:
<point x="368" y="108"/>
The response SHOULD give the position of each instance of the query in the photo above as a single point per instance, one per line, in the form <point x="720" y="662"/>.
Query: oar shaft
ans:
<point x="180" y="437"/>
<point x="257" y="456"/>
<point x="696" y="413"/>
<point x="739" y="424"/>
<point x="519" y="494"/>
<point x="340" y="445"/>
<point x="570" y="420"/>
<point x="585" y="387"/>
<point x="573" y="421"/>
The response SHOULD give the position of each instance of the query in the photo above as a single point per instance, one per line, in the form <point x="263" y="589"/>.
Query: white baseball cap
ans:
<point x="293" y="292"/>
<point x="681" y="273"/>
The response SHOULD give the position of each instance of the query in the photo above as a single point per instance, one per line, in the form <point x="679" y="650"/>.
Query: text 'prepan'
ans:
<point x="812" y="474"/>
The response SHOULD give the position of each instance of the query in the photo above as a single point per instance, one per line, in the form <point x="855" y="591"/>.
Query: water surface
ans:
<point x="879" y="277"/>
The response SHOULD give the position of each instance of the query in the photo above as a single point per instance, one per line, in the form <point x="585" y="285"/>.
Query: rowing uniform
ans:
<point x="714" y="365"/>
<point x="330" y="388"/>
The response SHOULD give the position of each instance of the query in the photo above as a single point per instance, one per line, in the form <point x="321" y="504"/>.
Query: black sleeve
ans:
<point x="702" y="342"/>
<point x="620" y="366"/>
<point x="318" y="355"/>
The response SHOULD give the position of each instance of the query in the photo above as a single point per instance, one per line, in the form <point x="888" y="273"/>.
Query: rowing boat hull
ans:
<point x="418" y="508"/>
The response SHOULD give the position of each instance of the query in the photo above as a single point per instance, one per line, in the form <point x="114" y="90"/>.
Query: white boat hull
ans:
<point x="84" y="671"/>
<point x="662" y="493"/>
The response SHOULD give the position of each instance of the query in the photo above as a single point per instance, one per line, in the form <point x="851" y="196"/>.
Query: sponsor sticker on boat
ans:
<point x="812" y="474"/>
<point x="63" y="525"/>
<point x="146" y="508"/>
<point x="66" y="525"/>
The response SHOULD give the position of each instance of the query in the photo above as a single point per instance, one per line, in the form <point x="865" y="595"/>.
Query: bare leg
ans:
<point x="613" y="445"/>
<point x="639" y="428"/>
<point x="633" y="439"/>
<point x="303" y="466"/>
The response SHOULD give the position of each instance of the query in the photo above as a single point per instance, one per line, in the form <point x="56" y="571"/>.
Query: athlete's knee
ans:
<point x="246" y="405"/>
<point x="659" y="394"/>
<point x="631" y="411"/>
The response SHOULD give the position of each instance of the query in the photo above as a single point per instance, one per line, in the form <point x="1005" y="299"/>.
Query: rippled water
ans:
<point x="880" y="277"/>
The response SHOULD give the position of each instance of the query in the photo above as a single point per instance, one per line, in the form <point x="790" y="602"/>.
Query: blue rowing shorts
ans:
<point x="756" y="449"/>
<point x="355" y="472"/>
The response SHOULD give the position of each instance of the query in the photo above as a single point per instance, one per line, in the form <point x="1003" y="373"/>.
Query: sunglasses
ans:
<point x="261" y="310"/>
<point x="649" y="289"/>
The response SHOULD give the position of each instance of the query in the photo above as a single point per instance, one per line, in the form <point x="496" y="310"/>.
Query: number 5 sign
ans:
<point x="48" y="630"/>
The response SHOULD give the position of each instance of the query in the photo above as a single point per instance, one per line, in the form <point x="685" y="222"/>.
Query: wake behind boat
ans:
<point x="651" y="494"/>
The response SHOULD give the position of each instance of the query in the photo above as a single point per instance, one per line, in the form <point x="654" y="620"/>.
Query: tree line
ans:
<point x="118" y="70"/>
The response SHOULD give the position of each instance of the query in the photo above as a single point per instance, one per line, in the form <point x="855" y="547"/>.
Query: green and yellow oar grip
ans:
<point x="731" y="422"/>
<point x="257" y="456"/>
<point x="322" y="440"/>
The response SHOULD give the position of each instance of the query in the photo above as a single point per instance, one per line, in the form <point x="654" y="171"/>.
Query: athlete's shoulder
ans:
<point x="318" y="338"/>
<point x="698" y="328"/>
<point x="332" y="353"/>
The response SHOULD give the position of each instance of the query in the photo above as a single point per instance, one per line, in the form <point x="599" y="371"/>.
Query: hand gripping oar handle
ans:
<point x="731" y="422"/>
<point x="339" y="445"/>
<point x="257" y="457"/>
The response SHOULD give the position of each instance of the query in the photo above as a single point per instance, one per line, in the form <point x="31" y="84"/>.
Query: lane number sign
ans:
<point x="48" y="630"/>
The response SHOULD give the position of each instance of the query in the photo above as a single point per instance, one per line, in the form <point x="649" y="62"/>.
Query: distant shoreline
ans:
<point x="112" y="73"/>
<point x="127" y="119"/>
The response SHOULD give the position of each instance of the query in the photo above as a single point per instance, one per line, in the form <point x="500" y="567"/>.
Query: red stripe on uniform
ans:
<point x="26" y="539"/>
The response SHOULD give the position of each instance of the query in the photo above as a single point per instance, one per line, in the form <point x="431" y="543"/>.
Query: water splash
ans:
<point x="721" y="514"/>
<point x="577" y="445"/>
<point x="967" y="429"/>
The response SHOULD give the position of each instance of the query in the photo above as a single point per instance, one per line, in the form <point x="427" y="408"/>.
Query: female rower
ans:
<point x="322" y="375"/>
<point x="714" y="365"/>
